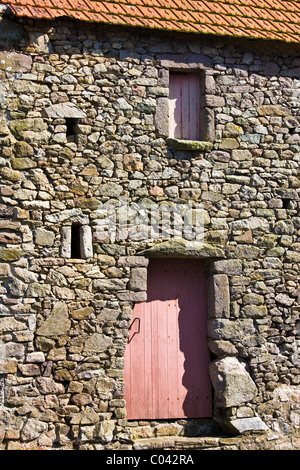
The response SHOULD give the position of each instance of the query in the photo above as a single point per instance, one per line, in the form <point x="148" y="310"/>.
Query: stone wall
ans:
<point x="83" y="112"/>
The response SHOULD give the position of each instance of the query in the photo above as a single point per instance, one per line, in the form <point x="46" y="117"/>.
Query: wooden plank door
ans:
<point x="167" y="358"/>
<point x="184" y="105"/>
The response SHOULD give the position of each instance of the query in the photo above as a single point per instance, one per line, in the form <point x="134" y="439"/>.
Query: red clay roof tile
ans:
<point x="267" y="19"/>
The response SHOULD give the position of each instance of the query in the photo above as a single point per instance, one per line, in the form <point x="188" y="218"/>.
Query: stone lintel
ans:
<point x="64" y="110"/>
<point x="185" y="61"/>
<point x="181" y="248"/>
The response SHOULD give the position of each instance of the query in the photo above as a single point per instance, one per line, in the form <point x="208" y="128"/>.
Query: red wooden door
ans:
<point x="166" y="359"/>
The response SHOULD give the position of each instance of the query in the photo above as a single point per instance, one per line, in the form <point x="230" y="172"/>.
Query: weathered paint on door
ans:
<point x="184" y="105"/>
<point x="166" y="360"/>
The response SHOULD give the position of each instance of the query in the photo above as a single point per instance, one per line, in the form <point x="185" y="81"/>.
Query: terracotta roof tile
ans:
<point x="266" y="19"/>
<point x="64" y="4"/>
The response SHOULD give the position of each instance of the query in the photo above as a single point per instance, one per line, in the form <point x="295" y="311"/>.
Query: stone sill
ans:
<point x="192" y="145"/>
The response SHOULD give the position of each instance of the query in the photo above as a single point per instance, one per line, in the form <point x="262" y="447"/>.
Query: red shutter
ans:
<point x="184" y="108"/>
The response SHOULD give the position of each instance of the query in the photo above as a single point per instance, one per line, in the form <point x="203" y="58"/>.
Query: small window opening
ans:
<point x="75" y="241"/>
<point x="286" y="203"/>
<point x="71" y="124"/>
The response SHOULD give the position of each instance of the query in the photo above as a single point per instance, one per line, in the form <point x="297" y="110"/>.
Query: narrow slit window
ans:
<point x="184" y="105"/>
<point x="286" y="204"/>
<point x="71" y="124"/>
<point x="75" y="242"/>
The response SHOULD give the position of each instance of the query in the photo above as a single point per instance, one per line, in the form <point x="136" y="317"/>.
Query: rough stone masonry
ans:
<point x="83" y="124"/>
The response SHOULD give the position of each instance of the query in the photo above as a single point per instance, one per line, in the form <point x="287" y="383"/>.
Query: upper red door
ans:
<point x="167" y="357"/>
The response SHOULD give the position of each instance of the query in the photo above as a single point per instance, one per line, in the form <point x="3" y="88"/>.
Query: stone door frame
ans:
<point x="231" y="381"/>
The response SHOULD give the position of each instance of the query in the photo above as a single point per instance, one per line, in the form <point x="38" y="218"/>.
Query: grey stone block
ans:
<point x="248" y="424"/>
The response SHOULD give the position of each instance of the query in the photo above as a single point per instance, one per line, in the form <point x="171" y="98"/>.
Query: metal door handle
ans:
<point x="136" y="332"/>
<point x="139" y="326"/>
